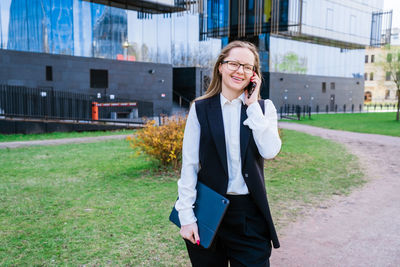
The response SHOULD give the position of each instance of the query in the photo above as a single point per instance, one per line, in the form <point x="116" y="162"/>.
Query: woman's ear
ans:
<point x="219" y="68"/>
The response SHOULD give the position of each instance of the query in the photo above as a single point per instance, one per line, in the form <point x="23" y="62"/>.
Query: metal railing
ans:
<point x="294" y="112"/>
<point x="20" y="102"/>
<point x="181" y="100"/>
<point x="43" y="103"/>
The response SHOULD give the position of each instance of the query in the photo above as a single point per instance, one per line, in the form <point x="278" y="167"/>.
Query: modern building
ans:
<point x="147" y="30"/>
<point x="312" y="51"/>
<point x="395" y="36"/>
<point x="131" y="47"/>
<point x="379" y="85"/>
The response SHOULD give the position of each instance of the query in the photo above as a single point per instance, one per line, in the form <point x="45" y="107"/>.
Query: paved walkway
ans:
<point x="60" y="141"/>
<point x="362" y="229"/>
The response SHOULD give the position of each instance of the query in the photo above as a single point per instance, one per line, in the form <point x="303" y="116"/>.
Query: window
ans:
<point x="324" y="87"/>
<point x="98" y="78"/>
<point x="371" y="76"/>
<point x="388" y="74"/>
<point x="387" y="94"/>
<point x="366" y="58"/>
<point x="367" y="96"/>
<point x="329" y="19"/>
<point x="49" y="73"/>
<point x="365" y="76"/>
<point x="332" y="86"/>
<point x="372" y="58"/>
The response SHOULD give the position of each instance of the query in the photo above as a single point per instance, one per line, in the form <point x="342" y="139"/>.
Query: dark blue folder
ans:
<point x="209" y="210"/>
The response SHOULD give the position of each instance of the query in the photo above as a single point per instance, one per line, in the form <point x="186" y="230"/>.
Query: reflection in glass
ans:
<point x="82" y="28"/>
<point x="296" y="57"/>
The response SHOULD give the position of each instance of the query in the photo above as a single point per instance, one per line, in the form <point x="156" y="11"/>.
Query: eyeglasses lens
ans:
<point x="236" y="66"/>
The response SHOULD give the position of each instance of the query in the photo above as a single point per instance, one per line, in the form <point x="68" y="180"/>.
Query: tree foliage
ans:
<point x="391" y="64"/>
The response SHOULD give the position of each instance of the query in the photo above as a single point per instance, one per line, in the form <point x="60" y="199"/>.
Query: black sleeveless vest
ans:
<point x="213" y="160"/>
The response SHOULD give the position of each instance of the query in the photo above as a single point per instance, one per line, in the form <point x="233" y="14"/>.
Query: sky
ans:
<point x="395" y="6"/>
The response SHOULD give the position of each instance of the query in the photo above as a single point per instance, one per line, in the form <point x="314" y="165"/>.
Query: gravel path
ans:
<point x="362" y="229"/>
<point x="60" y="141"/>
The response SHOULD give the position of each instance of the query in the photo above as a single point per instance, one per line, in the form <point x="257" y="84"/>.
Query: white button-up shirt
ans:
<point x="265" y="133"/>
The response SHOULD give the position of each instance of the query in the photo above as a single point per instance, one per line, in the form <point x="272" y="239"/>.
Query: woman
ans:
<point x="228" y="135"/>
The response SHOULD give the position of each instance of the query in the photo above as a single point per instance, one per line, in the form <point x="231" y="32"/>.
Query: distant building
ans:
<point x="395" y="36"/>
<point x="379" y="85"/>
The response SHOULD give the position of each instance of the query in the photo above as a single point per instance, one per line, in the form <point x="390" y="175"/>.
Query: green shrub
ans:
<point x="163" y="143"/>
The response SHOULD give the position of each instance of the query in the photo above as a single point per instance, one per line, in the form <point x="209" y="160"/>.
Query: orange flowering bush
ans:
<point x="161" y="142"/>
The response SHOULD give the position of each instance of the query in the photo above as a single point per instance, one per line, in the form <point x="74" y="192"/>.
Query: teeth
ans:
<point x="238" y="79"/>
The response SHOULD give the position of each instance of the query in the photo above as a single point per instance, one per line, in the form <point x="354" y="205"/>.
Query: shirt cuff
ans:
<point x="186" y="216"/>
<point x="255" y="117"/>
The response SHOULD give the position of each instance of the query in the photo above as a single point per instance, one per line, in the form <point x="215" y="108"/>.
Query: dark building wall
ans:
<point x="130" y="80"/>
<point x="307" y="90"/>
<point x="191" y="82"/>
<point x="184" y="82"/>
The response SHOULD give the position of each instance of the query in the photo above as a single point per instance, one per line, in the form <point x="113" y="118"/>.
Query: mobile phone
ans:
<point x="250" y="89"/>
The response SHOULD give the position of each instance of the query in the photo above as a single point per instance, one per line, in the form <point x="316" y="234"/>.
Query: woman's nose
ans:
<point x="240" y="69"/>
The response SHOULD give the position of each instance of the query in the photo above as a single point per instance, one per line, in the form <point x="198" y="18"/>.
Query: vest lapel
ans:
<point x="244" y="134"/>
<point x="216" y="122"/>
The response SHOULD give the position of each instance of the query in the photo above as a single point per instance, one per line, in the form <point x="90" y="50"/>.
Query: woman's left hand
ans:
<point x="254" y="96"/>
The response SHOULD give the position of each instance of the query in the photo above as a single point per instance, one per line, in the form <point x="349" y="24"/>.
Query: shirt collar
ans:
<point x="224" y="99"/>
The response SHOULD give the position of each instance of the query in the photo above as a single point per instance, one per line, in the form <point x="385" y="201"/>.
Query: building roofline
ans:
<point x="141" y="6"/>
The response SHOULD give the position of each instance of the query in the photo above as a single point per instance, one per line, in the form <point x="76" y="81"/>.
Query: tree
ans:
<point x="133" y="50"/>
<point x="391" y="64"/>
<point x="145" y="52"/>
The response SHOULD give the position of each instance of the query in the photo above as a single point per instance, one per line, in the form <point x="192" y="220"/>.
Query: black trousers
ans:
<point x="242" y="238"/>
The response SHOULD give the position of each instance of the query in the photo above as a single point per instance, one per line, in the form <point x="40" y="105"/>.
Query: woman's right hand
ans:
<point x="190" y="232"/>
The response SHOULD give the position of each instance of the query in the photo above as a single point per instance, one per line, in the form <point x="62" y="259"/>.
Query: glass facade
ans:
<point x="82" y="28"/>
<point x="291" y="56"/>
<point x="35" y="27"/>
<point x="345" y="21"/>
<point x="235" y="18"/>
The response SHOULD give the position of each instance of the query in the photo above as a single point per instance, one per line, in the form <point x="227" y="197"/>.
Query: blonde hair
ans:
<point x="215" y="86"/>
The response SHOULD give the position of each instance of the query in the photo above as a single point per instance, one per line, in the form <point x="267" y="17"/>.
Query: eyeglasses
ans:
<point x="234" y="65"/>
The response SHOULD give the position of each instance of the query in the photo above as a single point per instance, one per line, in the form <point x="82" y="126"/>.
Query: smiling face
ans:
<point x="234" y="82"/>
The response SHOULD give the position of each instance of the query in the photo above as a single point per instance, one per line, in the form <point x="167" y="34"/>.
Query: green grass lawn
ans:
<point x="58" y="135"/>
<point x="97" y="204"/>
<point x="307" y="171"/>
<point x="377" y="123"/>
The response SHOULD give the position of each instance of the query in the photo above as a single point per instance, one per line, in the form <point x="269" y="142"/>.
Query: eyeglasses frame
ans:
<point x="240" y="64"/>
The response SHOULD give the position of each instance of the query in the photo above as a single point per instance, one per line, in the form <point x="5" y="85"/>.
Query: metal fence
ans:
<point x="54" y="104"/>
<point x="297" y="111"/>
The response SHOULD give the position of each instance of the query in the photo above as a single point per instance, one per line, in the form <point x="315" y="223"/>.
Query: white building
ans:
<point x="325" y="49"/>
<point x="395" y="37"/>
